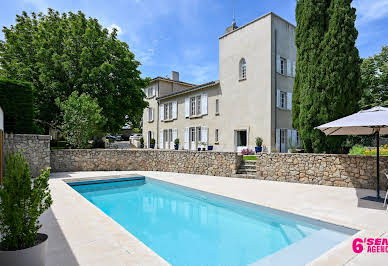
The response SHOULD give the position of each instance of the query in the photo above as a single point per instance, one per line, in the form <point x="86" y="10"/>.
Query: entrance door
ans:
<point x="193" y="145"/>
<point x="283" y="138"/>
<point x="241" y="139"/>
<point x="166" y="142"/>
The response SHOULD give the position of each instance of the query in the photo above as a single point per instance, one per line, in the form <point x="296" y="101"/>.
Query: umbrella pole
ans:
<point x="378" y="162"/>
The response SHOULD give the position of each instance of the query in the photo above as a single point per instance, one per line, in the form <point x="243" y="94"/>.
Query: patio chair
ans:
<point x="386" y="194"/>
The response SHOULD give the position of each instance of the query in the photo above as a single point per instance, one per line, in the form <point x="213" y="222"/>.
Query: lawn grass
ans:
<point x="249" y="158"/>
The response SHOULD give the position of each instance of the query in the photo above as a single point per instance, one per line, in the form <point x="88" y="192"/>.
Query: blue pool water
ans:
<point x="186" y="227"/>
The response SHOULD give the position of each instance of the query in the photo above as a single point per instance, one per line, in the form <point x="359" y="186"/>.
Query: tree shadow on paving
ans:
<point x="58" y="249"/>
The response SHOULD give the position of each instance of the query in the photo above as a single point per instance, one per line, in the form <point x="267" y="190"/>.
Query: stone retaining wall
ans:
<point x="322" y="169"/>
<point x="36" y="149"/>
<point x="205" y="163"/>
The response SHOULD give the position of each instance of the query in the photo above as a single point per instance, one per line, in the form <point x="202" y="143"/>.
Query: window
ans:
<point x="217" y="106"/>
<point x="150" y="115"/>
<point x="170" y="135"/>
<point x="283" y="100"/>
<point x="216" y="136"/>
<point x="283" y="64"/>
<point x="198" y="134"/>
<point x="168" y="111"/>
<point x="192" y="134"/>
<point x="243" y="69"/>
<point x="165" y="136"/>
<point x="195" y="105"/>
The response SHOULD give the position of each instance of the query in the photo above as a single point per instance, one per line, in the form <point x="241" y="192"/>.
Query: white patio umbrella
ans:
<point x="367" y="122"/>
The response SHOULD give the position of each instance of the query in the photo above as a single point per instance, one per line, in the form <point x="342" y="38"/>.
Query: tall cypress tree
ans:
<point x="327" y="83"/>
<point x="312" y="20"/>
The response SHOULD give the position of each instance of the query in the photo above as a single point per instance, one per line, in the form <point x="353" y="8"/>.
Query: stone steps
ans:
<point x="247" y="169"/>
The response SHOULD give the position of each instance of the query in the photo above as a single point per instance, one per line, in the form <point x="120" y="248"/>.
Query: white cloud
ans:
<point x="201" y="73"/>
<point x="370" y="10"/>
<point x="114" y="26"/>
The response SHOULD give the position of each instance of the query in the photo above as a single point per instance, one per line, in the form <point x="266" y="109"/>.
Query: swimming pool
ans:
<point x="190" y="227"/>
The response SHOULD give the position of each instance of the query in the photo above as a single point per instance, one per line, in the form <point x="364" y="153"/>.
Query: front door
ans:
<point x="283" y="138"/>
<point x="166" y="142"/>
<point x="193" y="145"/>
<point x="241" y="139"/>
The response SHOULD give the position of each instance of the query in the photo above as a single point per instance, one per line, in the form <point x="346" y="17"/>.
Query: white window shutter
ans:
<point x="187" y="107"/>
<point x="204" y="103"/>
<point x="294" y="69"/>
<point x="153" y="91"/>
<point x="174" y="134"/>
<point x="278" y="63"/>
<point x="277" y="141"/>
<point x="278" y="98"/>
<point x="146" y="92"/>
<point x="148" y="114"/>
<point x="289" y="135"/>
<point x="174" y="109"/>
<point x="152" y="113"/>
<point x="294" y="140"/>
<point x="161" y="112"/>
<point x="289" y="100"/>
<point x="161" y="139"/>
<point x="152" y="135"/>
<point x="186" y="140"/>
<point x="289" y="68"/>
<point x="204" y="132"/>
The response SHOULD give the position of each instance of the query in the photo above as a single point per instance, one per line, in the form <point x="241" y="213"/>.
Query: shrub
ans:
<point x="357" y="150"/>
<point x="247" y="152"/>
<point x="81" y="119"/>
<point x="259" y="142"/>
<point x="16" y="100"/>
<point x="153" y="141"/>
<point x="22" y="201"/>
<point x="360" y="150"/>
<point x="176" y="141"/>
<point x="141" y="141"/>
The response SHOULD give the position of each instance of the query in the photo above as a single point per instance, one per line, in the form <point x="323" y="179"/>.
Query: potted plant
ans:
<point x="176" y="142"/>
<point x="152" y="144"/>
<point x="22" y="201"/>
<point x="259" y="143"/>
<point x="203" y="145"/>
<point x="210" y="147"/>
<point x="141" y="142"/>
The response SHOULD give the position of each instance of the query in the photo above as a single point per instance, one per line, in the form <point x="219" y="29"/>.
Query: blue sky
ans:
<point x="182" y="35"/>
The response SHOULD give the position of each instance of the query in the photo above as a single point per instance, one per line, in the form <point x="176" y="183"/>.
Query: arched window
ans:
<point x="243" y="69"/>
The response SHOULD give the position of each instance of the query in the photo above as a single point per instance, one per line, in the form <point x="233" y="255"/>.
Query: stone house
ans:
<point x="252" y="98"/>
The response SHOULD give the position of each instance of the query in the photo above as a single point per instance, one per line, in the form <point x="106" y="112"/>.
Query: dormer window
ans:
<point x="243" y="69"/>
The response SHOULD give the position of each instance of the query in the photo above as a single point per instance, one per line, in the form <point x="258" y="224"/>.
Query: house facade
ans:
<point x="252" y="98"/>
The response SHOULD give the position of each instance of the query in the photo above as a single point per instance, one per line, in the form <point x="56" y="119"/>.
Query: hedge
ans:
<point x="16" y="100"/>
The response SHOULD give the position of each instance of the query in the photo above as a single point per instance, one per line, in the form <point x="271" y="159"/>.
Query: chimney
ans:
<point x="175" y="75"/>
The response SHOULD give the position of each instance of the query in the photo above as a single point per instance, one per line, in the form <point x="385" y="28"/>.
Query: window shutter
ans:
<point x="278" y="98"/>
<point x="289" y="137"/>
<point x="148" y="114"/>
<point x="204" y="132"/>
<point x="152" y="113"/>
<point x="278" y="63"/>
<point x="277" y="141"/>
<point x="174" y="109"/>
<point x="289" y="100"/>
<point x="294" y="69"/>
<point x="161" y="139"/>
<point x="187" y="107"/>
<point x="152" y="135"/>
<point x="146" y="92"/>
<point x="204" y="104"/>
<point x="289" y="68"/>
<point x="186" y="143"/>
<point x="161" y="112"/>
<point x="294" y="140"/>
<point x="153" y="91"/>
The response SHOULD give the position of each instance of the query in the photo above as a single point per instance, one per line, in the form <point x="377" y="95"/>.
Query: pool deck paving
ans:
<point x="81" y="234"/>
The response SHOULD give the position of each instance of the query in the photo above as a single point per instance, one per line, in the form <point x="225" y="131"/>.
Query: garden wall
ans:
<point x="205" y="163"/>
<point x="36" y="149"/>
<point x="323" y="169"/>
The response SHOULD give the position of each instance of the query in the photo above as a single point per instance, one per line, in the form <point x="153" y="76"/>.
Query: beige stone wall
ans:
<point x="36" y="149"/>
<point x="322" y="169"/>
<point x="204" y="163"/>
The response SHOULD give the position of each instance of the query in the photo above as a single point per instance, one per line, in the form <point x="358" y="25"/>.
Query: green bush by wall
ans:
<point x="16" y="100"/>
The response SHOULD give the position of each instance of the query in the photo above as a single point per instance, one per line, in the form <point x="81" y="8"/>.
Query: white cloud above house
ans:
<point x="370" y="10"/>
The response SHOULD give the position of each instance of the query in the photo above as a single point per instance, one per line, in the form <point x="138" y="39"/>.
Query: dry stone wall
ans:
<point x="36" y="149"/>
<point x="205" y="163"/>
<point x="322" y="169"/>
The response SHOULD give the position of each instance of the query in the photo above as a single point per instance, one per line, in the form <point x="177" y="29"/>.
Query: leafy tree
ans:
<point x="374" y="74"/>
<point x="60" y="53"/>
<point x="327" y="84"/>
<point x="81" y="119"/>
<point x="22" y="201"/>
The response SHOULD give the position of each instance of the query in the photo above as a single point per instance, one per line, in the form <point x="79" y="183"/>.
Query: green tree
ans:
<point x="60" y="53"/>
<point x="374" y="74"/>
<point x="81" y="119"/>
<point x="22" y="201"/>
<point x="327" y="84"/>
